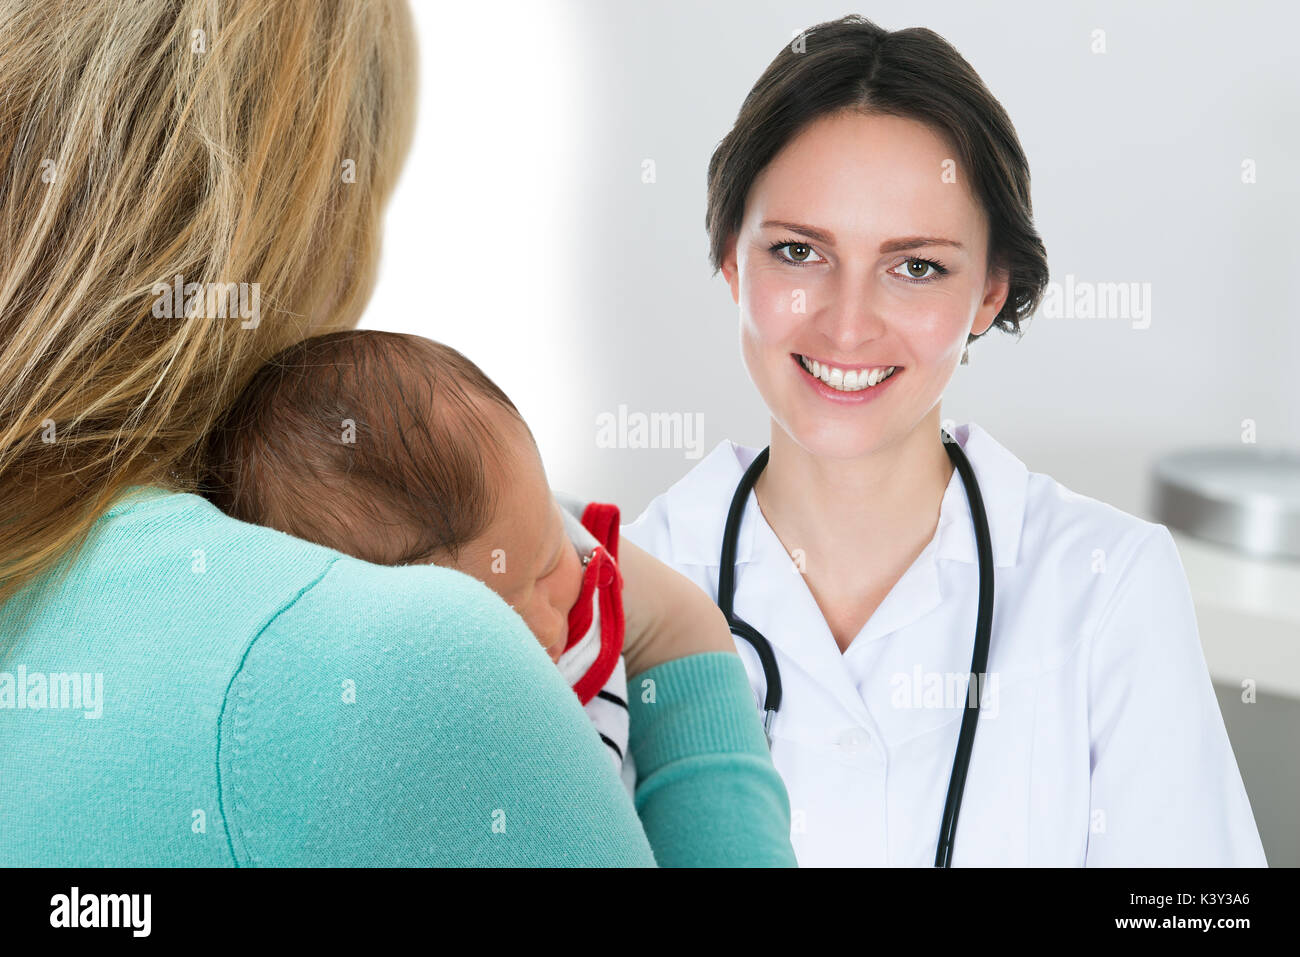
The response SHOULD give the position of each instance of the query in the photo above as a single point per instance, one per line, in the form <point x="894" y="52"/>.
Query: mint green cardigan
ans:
<point x="269" y="702"/>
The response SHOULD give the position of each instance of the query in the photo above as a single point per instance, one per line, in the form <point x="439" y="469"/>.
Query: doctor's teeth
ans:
<point x="855" y="380"/>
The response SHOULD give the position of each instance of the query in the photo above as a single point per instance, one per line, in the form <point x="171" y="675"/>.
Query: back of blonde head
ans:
<point x="221" y="141"/>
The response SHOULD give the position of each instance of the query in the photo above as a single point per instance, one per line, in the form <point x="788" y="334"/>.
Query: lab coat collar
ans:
<point x="791" y="620"/>
<point x="697" y="505"/>
<point x="1004" y="485"/>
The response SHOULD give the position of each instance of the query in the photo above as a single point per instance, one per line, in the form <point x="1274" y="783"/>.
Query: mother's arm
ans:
<point x="702" y="761"/>
<point x="406" y="716"/>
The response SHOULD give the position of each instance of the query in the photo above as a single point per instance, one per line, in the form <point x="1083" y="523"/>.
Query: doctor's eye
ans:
<point x="916" y="269"/>
<point x="799" y="252"/>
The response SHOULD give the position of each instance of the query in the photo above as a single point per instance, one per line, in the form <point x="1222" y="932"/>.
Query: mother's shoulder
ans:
<point x="212" y="564"/>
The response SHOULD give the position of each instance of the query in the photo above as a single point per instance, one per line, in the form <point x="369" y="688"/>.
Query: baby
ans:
<point x="399" y="451"/>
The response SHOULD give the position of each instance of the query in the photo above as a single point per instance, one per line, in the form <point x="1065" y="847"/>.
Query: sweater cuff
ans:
<point x="694" y="705"/>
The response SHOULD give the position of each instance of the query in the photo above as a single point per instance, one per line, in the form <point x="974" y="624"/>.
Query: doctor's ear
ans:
<point x="996" y="289"/>
<point x="729" y="270"/>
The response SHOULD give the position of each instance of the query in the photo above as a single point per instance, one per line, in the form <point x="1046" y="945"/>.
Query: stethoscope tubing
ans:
<point x="983" y="627"/>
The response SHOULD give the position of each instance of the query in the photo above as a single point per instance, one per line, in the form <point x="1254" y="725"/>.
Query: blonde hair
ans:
<point x="223" y="142"/>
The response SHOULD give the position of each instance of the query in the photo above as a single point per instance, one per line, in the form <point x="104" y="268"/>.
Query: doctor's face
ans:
<point x="857" y="254"/>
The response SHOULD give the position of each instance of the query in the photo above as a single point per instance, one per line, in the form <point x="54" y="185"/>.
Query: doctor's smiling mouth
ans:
<point x="847" y="383"/>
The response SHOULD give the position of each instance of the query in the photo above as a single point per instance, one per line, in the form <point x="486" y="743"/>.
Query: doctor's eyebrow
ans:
<point x="888" y="246"/>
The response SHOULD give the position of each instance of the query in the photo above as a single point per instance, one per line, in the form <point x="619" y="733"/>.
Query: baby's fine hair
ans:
<point x="376" y="444"/>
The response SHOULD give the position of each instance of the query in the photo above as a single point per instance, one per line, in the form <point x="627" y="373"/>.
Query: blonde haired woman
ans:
<point x="218" y="693"/>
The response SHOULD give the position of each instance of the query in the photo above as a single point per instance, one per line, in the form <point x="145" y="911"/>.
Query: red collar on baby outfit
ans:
<point x="602" y="586"/>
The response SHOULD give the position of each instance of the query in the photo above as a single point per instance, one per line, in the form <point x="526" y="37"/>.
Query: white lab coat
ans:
<point x="1100" y="741"/>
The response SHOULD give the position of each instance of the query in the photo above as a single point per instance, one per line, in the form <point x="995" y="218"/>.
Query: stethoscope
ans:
<point x="983" y="626"/>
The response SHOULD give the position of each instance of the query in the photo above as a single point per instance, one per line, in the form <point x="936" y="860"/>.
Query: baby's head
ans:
<point x="398" y="450"/>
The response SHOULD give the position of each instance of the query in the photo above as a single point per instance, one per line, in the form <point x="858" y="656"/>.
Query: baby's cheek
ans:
<point x="571" y="582"/>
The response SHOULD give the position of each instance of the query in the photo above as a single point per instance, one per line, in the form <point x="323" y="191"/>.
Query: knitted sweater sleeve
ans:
<point x="406" y="717"/>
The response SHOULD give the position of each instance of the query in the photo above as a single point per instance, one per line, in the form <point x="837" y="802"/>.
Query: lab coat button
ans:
<point x="854" y="739"/>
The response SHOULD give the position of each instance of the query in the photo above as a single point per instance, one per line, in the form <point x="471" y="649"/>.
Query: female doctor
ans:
<point x="870" y="211"/>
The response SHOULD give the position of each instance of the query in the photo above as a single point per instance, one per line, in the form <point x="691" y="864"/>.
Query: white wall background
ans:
<point x="523" y="235"/>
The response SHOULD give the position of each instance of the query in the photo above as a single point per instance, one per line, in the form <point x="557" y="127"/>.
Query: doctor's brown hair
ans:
<point x="853" y="65"/>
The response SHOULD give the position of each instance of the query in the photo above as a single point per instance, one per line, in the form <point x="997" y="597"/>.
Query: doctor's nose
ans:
<point x="852" y="317"/>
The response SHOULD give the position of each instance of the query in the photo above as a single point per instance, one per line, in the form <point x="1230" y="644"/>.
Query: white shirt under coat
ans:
<point x="1101" y="742"/>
